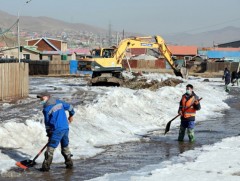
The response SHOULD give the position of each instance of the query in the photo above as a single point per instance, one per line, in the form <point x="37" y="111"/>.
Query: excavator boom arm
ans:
<point x="147" y="42"/>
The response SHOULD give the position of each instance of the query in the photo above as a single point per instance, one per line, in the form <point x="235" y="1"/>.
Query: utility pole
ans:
<point x="117" y="38"/>
<point x="18" y="30"/>
<point x="110" y="34"/>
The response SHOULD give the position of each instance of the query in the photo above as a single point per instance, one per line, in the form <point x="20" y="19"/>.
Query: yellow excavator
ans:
<point x="106" y="63"/>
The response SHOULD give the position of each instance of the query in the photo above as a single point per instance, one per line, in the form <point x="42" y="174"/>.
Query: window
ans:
<point x="49" y="57"/>
<point x="187" y="58"/>
<point x="26" y="56"/>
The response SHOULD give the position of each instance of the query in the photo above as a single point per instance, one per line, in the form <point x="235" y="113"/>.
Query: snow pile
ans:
<point x="217" y="162"/>
<point x="114" y="116"/>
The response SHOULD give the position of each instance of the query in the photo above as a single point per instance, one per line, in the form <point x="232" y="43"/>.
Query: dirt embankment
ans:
<point x="152" y="85"/>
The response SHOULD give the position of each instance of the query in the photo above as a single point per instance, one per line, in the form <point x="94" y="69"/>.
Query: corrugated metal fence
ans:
<point x="14" y="81"/>
<point x="145" y="64"/>
<point x="220" y="66"/>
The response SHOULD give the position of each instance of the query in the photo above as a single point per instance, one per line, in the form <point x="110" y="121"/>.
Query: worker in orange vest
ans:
<point x="189" y="99"/>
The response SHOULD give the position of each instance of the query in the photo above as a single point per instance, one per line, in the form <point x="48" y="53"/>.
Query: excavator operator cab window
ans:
<point x="108" y="53"/>
<point x="96" y="53"/>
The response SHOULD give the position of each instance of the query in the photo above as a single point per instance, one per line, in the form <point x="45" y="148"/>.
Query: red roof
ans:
<point x="182" y="50"/>
<point x="80" y="50"/>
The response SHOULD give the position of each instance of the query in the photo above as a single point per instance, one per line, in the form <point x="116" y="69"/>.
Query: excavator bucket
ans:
<point x="183" y="72"/>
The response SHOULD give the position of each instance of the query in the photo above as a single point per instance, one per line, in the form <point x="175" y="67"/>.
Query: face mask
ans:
<point x="189" y="92"/>
<point x="43" y="102"/>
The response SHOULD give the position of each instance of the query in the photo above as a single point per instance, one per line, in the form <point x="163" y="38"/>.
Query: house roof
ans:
<point x="222" y="54"/>
<point x="222" y="49"/>
<point x="31" y="48"/>
<point x="182" y="50"/>
<point x="45" y="38"/>
<point x="56" y="53"/>
<point x="79" y="51"/>
<point x="47" y="41"/>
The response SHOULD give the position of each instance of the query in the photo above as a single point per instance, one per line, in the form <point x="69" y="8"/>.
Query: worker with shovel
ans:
<point x="57" y="128"/>
<point x="189" y="104"/>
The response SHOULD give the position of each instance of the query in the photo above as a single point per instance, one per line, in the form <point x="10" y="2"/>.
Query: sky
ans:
<point x="93" y="124"/>
<point x="143" y="16"/>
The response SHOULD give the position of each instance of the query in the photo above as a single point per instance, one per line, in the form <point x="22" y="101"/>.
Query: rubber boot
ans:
<point x="48" y="159"/>
<point x="227" y="89"/>
<point x="181" y="133"/>
<point x="191" y="135"/>
<point x="67" y="156"/>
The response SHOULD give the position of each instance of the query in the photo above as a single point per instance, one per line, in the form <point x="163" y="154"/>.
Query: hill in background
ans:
<point x="51" y="26"/>
<point x="224" y="35"/>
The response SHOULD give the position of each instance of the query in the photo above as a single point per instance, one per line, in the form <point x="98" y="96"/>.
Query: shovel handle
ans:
<point x="39" y="153"/>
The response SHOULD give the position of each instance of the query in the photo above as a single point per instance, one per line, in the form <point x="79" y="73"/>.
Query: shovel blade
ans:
<point x="167" y="128"/>
<point x="25" y="164"/>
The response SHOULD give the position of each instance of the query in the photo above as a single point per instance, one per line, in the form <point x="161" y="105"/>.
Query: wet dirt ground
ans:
<point x="135" y="155"/>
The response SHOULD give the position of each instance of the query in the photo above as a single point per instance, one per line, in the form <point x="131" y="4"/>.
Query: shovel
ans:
<point x="25" y="164"/>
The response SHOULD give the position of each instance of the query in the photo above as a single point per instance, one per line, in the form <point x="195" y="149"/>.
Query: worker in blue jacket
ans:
<point x="57" y="128"/>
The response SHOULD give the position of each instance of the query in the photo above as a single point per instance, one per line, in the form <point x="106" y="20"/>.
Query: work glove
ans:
<point x="180" y="112"/>
<point x="196" y="102"/>
<point x="49" y="133"/>
<point x="70" y="119"/>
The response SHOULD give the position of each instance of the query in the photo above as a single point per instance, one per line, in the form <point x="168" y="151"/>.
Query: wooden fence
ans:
<point x="14" y="81"/>
<point x="48" y="68"/>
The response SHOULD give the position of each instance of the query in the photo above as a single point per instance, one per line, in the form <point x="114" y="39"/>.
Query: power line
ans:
<point x="7" y="30"/>
<point x="209" y="26"/>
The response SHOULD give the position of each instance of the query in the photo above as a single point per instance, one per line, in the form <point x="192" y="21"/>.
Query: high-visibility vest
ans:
<point x="190" y="112"/>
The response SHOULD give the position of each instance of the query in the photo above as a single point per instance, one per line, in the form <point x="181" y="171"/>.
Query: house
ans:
<point x="179" y="52"/>
<point x="27" y="52"/>
<point x="48" y="44"/>
<point x="183" y="52"/>
<point x="221" y="54"/>
<point x="79" y="53"/>
<point x="51" y="49"/>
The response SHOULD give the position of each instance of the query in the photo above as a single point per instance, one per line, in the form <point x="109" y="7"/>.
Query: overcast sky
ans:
<point x="144" y="16"/>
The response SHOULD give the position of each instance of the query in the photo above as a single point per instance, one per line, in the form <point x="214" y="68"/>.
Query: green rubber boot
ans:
<point x="48" y="159"/>
<point x="191" y="135"/>
<point x="227" y="89"/>
<point x="67" y="156"/>
<point x="181" y="133"/>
